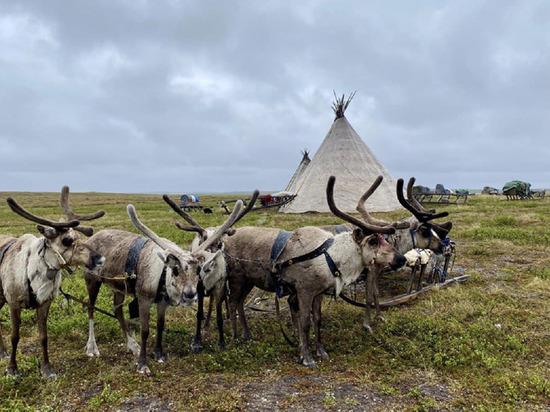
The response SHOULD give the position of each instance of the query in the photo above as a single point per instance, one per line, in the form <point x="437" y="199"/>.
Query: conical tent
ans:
<point x="290" y="187"/>
<point x="345" y="155"/>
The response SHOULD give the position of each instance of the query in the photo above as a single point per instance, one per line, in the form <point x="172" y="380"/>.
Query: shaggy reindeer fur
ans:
<point x="181" y="270"/>
<point x="30" y="273"/>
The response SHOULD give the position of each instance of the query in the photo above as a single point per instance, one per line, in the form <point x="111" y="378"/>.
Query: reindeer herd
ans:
<point x="224" y="262"/>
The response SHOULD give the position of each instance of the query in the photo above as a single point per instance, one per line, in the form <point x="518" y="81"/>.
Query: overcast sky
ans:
<point x="219" y="96"/>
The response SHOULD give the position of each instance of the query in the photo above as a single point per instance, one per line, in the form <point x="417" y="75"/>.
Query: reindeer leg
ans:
<point x="144" y="314"/>
<point x="160" y="356"/>
<point x="220" y="297"/>
<point x="294" y="308"/>
<point x="320" y="350"/>
<point x="211" y="305"/>
<point x="375" y="294"/>
<point x="368" y="300"/>
<point x="304" y="322"/>
<point x="118" y="301"/>
<point x="196" y="345"/>
<point x="15" y="317"/>
<point x="93" y="290"/>
<point x="3" y="352"/>
<point x="42" y="315"/>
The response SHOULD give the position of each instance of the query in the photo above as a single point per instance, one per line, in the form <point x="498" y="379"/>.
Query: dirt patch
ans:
<point x="292" y="393"/>
<point x="143" y="403"/>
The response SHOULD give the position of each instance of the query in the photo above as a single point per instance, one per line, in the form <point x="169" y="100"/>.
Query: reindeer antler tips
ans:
<point x="131" y="209"/>
<point x="166" y="197"/>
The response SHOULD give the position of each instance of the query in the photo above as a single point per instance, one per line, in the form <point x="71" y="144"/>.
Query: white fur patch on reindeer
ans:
<point x="421" y="256"/>
<point x="44" y="288"/>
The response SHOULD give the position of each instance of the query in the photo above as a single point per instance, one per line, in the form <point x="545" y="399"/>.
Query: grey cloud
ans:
<point x="149" y="96"/>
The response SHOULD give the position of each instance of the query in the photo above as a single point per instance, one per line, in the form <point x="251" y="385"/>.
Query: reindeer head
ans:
<point x="63" y="237"/>
<point x="214" y="268"/>
<point x="374" y="248"/>
<point x="425" y="233"/>
<point x="187" y="268"/>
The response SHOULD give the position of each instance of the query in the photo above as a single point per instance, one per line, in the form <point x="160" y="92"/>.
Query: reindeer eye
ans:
<point x="175" y="272"/>
<point x="373" y="241"/>
<point x="67" y="241"/>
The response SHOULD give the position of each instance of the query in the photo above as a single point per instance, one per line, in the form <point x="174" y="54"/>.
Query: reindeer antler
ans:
<point x="249" y="206"/>
<point x="367" y="227"/>
<point x="195" y="227"/>
<point x="216" y="236"/>
<point x="366" y="215"/>
<point x="422" y="215"/>
<point x="68" y="211"/>
<point x="144" y="229"/>
<point x="40" y="220"/>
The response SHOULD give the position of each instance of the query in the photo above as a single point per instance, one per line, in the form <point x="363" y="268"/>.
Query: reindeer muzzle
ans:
<point x="398" y="261"/>
<point x="97" y="261"/>
<point x="189" y="298"/>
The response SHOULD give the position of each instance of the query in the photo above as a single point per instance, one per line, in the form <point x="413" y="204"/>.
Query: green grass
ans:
<point x="487" y="341"/>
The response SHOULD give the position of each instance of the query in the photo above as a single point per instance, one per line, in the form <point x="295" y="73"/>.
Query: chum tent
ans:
<point x="299" y="172"/>
<point x="345" y="155"/>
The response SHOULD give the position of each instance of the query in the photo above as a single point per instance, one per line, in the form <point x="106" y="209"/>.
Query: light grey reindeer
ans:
<point x="164" y="273"/>
<point x="312" y="262"/>
<point x="217" y="289"/>
<point x="30" y="271"/>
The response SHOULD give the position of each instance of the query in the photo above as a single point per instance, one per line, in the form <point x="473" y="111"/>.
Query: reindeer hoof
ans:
<point x="310" y="363"/>
<point x="92" y="350"/>
<point x="322" y="354"/>
<point x="161" y="358"/>
<point x="12" y="373"/>
<point x="381" y="319"/>
<point x="47" y="372"/>
<point x="367" y="327"/>
<point x="196" y="348"/>
<point x="144" y="370"/>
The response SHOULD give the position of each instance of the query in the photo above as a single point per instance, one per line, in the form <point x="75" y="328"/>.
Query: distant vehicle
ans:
<point x="516" y="189"/>
<point x="190" y="202"/>
<point x="488" y="190"/>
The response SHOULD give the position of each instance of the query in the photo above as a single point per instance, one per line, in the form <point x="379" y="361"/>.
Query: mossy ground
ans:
<point x="479" y="345"/>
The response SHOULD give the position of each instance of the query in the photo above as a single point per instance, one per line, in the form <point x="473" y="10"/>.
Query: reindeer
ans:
<point x="312" y="262"/>
<point x="162" y="273"/>
<point x="217" y="289"/>
<point x="30" y="271"/>
<point x="418" y="232"/>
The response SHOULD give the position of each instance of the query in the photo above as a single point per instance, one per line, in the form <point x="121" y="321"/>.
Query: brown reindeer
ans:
<point x="30" y="271"/>
<point x="163" y="273"/>
<point x="336" y="261"/>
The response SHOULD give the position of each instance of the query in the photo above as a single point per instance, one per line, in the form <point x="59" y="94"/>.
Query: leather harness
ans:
<point x="273" y="278"/>
<point x="130" y="269"/>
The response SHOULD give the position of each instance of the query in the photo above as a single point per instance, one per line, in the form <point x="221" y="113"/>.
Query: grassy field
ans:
<point x="479" y="345"/>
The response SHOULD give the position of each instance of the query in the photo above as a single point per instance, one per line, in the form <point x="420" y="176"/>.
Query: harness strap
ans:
<point x="130" y="270"/>
<point x="308" y="256"/>
<point x="161" y="289"/>
<point x="340" y="229"/>
<point x="278" y="246"/>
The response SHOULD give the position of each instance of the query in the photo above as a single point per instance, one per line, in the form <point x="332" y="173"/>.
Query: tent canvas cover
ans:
<point x="345" y="155"/>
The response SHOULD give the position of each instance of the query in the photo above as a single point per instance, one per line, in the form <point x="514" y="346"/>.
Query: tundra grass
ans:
<point x="480" y="345"/>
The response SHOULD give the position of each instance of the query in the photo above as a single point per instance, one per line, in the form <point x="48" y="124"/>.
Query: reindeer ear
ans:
<point x="47" y="232"/>
<point x="358" y="235"/>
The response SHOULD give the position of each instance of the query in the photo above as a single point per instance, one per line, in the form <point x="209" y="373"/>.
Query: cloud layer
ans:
<point x="181" y="96"/>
